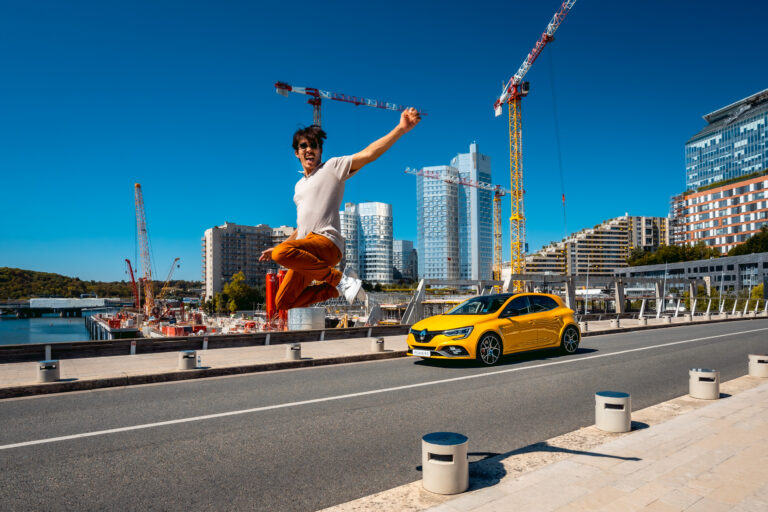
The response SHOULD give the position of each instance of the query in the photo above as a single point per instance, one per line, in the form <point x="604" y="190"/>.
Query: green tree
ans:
<point x="756" y="243"/>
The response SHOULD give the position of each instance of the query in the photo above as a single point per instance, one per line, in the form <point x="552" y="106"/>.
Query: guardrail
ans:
<point x="77" y="349"/>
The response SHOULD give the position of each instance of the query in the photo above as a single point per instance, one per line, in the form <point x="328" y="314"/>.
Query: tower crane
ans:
<point x="136" y="298"/>
<point x="498" y="193"/>
<point x="512" y="93"/>
<point x="146" y="264"/>
<point x="167" y="280"/>
<point x="318" y="95"/>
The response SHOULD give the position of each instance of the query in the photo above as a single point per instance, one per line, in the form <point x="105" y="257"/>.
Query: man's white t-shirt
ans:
<point x="318" y="198"/>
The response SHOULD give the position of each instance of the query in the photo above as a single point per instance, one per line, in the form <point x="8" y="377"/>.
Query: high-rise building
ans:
<point x="232" y="248"/>
<point x="475" y="216"/>
<point x="720" y="215"/>
<point x="350" y="221"/>
<point x="367" y="231"/>
<point x="404" y="260"/>
<point x="600" y="250"/>
<point x="732" y="145"/>
<point x="375" y="242"/>
<point x="437" y="224"/>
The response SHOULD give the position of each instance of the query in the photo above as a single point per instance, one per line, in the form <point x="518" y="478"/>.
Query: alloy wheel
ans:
<point x="570" y="340"/>
<point x="489" y="350"/>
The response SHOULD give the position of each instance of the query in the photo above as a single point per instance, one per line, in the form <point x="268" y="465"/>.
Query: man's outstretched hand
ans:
<point x="266" y="255"/>
<point x="409" y="118"/>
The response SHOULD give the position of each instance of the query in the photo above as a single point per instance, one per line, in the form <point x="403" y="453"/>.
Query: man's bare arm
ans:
<point x="408" y="119"/>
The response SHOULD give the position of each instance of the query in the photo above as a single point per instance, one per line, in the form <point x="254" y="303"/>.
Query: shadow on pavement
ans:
<point x="525" y="357"/>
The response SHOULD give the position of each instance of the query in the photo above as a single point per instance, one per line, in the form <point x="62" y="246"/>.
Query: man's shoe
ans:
<point x="349" y="286"/>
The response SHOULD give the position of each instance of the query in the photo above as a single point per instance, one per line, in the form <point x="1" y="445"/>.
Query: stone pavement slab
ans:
<point x="695" y="455"/>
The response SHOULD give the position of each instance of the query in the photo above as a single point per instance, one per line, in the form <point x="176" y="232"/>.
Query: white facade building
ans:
<point x="232" y="248"/>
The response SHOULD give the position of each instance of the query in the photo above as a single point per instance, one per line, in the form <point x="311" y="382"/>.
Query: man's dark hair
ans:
<point x="312" y="133"/>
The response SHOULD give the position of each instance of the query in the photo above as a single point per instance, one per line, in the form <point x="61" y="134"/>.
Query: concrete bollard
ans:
<point x="584" y="326"/>
<point x="615" y="323"/>
<point x="666" y="319"/>
<point x="704" y="383"/>
<point x="48" y="370"/>
<point x="293" y="352"/>
<point x="613" y="411"/>
<point x="688" y="317"/>
<point x="642" y="321"/>
<point x="187" y="360"/>
<point x="444" y="465"/>
<point x="377" y="344"/>
<point x="758" y="365"/>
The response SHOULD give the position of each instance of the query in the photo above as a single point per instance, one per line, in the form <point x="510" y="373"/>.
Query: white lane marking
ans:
<point x="354" y="395"/>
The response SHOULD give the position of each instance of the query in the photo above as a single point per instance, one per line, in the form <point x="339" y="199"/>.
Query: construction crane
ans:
<point x="498" y="193"/>
<point x="318" y="95"/>
<point x="512" y="93"/>
<point x="146" y="264"/>
<point x="136" y="298"/>
<point x="167" y="280"/>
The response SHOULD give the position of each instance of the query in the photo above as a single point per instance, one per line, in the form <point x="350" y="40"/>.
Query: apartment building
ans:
<point x="600" y="250"/>
<point x="232" y="248"/>
<point x="720" y="215"/>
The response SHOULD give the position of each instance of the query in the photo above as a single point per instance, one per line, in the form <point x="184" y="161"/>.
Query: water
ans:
<point x="40" y="330"/>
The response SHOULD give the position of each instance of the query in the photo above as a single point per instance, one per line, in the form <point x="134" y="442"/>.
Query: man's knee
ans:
<point x="281" y="252"/>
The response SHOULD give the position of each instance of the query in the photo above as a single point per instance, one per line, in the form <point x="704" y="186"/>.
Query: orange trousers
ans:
<point x="307" y="260"/>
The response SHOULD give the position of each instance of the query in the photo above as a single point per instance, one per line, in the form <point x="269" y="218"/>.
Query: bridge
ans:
<point x="64" y="307"/>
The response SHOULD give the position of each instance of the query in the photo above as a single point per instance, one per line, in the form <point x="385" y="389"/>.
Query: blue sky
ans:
<point x="179" y="96"/>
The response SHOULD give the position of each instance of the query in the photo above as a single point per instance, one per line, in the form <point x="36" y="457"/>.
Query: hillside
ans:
<point x="16" y="283"/>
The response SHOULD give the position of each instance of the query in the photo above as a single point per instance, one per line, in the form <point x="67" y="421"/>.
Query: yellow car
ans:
<point x="488" y="326"/>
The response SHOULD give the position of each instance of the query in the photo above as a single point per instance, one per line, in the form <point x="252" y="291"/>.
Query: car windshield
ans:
<point x="483" y="305"/>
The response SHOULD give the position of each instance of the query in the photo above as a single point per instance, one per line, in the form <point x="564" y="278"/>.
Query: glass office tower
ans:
<point x="375" y="242"/>
<point x="475" y="216"/>
<point x="732" y="145"/>
<point x="437" y="224"/>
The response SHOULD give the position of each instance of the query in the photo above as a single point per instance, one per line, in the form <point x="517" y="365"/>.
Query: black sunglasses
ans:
<point x="305" y="145"/>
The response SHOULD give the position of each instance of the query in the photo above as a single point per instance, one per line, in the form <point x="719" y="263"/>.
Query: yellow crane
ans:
<point x="513" y="92"/>
<point x="167" y="280"/>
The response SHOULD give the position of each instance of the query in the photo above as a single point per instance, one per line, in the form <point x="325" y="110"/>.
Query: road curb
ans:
<point x="132" y="380"/>
<point x="665" y="326"/>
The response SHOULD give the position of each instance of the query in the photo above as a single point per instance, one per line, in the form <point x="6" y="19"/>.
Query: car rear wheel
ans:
<point x="570" y="341"/>
<point x="489" y="349"/>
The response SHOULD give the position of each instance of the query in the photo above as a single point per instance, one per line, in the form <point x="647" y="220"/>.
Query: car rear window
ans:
<point x="542" y="303"/>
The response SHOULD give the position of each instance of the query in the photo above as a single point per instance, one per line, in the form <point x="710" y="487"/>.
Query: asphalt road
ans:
<point x="311" y="438"/>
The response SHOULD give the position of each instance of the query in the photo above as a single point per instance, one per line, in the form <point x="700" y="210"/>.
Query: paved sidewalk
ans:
<point x="688" y="454"/>
<point x="19" y="379"/>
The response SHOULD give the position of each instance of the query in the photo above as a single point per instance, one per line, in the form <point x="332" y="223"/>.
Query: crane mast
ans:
<point x="164" y="290"/>
<point x="146" y="264"/>
<point x="318" y="95"/>
<point x="513" y="92"/>
<point x="136" y="298"/>
<point x="498" y="193"/>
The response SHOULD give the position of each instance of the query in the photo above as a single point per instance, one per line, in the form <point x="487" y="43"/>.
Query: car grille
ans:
<point x="428" y="335"/>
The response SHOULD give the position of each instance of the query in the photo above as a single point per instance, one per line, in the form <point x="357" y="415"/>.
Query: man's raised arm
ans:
<point x="408" y="119"/>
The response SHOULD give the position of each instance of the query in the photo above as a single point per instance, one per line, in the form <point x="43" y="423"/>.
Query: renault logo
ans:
<point x="422" y="335"/>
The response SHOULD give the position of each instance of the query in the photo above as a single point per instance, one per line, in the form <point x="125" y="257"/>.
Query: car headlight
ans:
<point x="460" y="333"/>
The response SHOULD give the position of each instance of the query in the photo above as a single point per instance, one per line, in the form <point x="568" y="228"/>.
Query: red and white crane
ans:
<point x="317" y="95"/>
<point x="512" y="93"/>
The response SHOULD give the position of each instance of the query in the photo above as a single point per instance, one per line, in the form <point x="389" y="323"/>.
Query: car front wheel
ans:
<point x="570" y="341"/>
<point x="489" y="349"/>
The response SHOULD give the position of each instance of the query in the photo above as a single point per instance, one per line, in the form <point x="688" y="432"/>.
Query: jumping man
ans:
<point x="316" y="246"/>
